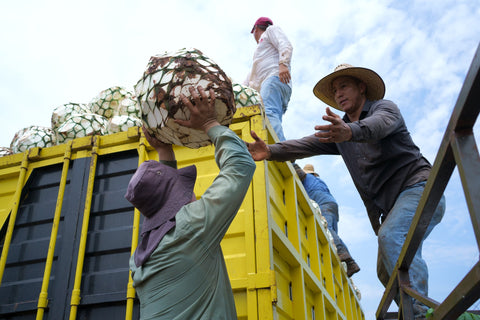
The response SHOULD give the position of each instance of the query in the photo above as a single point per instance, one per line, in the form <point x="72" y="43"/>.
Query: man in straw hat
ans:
<point x="386" y="166"/>
<point x="178" y="268"/>
<point x="270" y="73"/>
<point x="318" y="191"/>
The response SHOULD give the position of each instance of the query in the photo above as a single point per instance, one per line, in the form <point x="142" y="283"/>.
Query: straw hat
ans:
<point x="375" y="85"/>
<point x="308" y="168"/>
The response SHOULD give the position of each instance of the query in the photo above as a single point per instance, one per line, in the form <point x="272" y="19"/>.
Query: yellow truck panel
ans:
<point x="67" y="234"/>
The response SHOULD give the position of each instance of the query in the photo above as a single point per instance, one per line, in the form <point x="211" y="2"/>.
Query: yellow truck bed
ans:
<point x="67" y="234"/>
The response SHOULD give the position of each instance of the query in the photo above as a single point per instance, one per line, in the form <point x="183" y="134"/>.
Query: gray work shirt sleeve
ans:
<point x="384" y="119"/>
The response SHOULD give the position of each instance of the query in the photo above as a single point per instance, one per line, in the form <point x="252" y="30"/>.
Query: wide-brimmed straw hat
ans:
<point x="308" y="168"/>
<point x="375" y="85"/>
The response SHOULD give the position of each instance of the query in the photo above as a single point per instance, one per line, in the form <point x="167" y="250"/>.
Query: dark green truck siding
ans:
<point x="105" y="271"/>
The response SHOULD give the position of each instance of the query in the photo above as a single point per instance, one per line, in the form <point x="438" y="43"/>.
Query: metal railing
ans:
<point x="458" y="149"/>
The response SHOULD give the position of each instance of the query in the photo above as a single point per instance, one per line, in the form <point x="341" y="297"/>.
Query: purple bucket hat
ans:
<point x="158" y="191"/>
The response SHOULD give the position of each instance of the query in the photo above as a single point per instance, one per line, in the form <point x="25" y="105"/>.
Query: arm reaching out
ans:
<point x="258" y="149"/>
<point x="338" y="131"/>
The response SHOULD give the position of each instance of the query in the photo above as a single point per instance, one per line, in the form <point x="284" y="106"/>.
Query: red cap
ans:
<point x="262" y="21"/>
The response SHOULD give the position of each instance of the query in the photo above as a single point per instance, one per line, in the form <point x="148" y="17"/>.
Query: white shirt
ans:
<point x="273" y="48"/>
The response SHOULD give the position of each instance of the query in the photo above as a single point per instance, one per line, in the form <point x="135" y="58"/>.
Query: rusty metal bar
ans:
<point x="406" y="310"/>
<point x="418" y="296"/>
<point x="468" y="161"/>
<point x="388" y="296"/>
<point x="462" y="297"/>
<point x="458" y="148"/>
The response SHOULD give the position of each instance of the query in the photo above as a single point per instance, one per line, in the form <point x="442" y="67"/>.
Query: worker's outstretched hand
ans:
<point x="258" y="149"/>
<point x="337" y="131"/>
<point x="203" y="115"/>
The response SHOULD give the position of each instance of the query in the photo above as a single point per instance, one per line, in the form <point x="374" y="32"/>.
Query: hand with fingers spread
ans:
<point x="203" y="115"/>
<point x="338" y="131"/>
<point x="258" y="149"/>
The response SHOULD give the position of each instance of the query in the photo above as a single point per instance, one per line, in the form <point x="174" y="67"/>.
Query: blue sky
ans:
<point x="55" y="52"/>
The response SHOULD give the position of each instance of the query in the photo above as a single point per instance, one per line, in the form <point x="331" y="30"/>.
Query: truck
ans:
<point x="67" y="233"/>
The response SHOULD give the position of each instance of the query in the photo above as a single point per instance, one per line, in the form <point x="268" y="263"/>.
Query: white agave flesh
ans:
<point x="62" y="113"/>
<point x="167" y="77"/>
<point x="34" y="137"/>
<point x="155" y="78"/>
<point x="151" y="120"/>
<point x="169" y="81"/>
<point x="160" y="114"/>
<point x="80" y="126"/>
<point x="139" y="87"/>
<point x="5" y="151"/>
<point x="145" y="107"/>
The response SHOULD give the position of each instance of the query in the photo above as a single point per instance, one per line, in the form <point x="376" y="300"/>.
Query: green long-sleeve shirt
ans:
<point x="186" y="276"/>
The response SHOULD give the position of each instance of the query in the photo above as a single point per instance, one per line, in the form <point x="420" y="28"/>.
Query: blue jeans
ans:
<point x="330" y="213"/>
<point x="393" y="232"/>
<point x="275" y="96"/>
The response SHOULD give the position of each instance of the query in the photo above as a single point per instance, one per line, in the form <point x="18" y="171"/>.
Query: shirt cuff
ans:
<point x="216" y="131"/>
<point x="356" y="131"/>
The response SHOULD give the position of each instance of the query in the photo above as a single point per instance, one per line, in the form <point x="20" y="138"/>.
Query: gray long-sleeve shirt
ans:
<point x="381" y="156"/>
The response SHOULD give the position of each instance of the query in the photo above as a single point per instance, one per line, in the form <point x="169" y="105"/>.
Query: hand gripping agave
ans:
<point x="158" y="93"/>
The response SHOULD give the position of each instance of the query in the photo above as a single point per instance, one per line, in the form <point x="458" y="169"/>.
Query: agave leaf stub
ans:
<point x="158" y="93"/>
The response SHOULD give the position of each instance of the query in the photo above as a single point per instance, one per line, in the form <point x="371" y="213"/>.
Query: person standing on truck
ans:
<point x="318" y="191"/>
<point x="386" y="166"/>
<point x="178" y="268"/>
<point x="270" y="73"/>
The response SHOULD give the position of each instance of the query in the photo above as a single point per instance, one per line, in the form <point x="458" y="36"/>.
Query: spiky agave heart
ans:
<point x="246" y="96"/>
<point x="158" y="93"/>
<point x="32" y="136"/>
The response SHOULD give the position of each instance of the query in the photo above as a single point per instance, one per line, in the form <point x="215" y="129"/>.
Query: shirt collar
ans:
<point x="366" y="108"/>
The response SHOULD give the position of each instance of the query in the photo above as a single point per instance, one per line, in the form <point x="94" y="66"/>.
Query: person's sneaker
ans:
<point x="352" y="267"/>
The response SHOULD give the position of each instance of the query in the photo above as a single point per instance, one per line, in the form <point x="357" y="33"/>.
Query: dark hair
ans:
<point x="262" y="27"/>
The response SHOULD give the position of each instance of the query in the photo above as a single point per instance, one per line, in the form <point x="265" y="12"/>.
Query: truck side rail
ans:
<point x="459" y="149"/>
